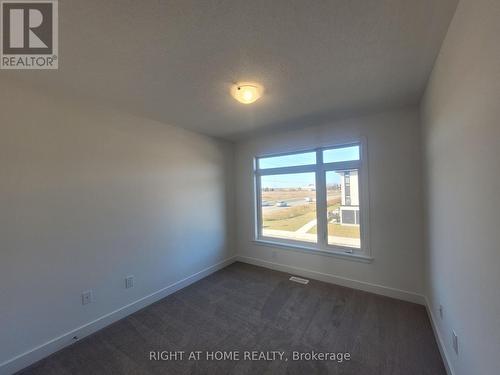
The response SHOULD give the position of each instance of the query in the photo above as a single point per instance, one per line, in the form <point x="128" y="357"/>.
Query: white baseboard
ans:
<point x="338" y="280"/>
<point x="439" y="338"/>
<point x="31" y="356"/>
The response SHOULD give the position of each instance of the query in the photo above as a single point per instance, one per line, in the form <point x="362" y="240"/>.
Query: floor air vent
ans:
<point x="299" y="280"/>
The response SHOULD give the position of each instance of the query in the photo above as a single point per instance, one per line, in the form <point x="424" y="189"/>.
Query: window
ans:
<point x="313" y="199"/>
<point x="289" y="206"/>
<point x="341" y="154"/>
<point x="342" y="200"/>
<point x="290" y="160"/>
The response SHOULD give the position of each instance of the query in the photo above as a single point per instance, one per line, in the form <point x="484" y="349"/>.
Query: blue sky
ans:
<point x="302" y="180"/>
<point x="341" y="154"/>
<point x="307" y="158"/>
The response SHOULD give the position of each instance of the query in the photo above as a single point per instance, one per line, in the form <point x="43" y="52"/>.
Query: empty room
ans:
<point x="249" y="187"/>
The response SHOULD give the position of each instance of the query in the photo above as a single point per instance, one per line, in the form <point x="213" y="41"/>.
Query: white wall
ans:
<point x="395" y="200"/>
<point x="461" y="116"/>
<point x="89" y="196"/>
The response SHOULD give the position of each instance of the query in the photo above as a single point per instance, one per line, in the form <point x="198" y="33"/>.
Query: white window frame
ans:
<point x="320" y="169"/>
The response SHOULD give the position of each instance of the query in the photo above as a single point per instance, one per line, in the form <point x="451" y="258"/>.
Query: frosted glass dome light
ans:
<point x="246" y="92"/>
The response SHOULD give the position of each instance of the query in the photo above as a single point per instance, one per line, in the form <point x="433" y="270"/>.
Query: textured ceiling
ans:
<point x="174" y="61"/>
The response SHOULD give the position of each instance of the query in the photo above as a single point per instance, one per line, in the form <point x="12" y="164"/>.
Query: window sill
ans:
<point x="314" y="250"/>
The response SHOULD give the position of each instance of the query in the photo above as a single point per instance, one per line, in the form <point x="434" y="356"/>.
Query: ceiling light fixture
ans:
<point x="247" y="92"/>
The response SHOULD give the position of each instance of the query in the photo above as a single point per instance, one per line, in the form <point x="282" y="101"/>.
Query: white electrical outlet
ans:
<point x="441" y="311"/>
<point x="86" y="297"/>
<point x="129" y="282"/>
<point x="454" y="341"/>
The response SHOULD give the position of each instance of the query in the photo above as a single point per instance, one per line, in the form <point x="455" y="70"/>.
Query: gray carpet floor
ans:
<point x="245" y="308"/>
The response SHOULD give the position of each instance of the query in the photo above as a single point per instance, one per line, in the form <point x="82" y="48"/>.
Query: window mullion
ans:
<point x="258" y="207"/>
<point x="321" y="214"/>
<point x="286" y="170"/>
<point x="343" y="165"/>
